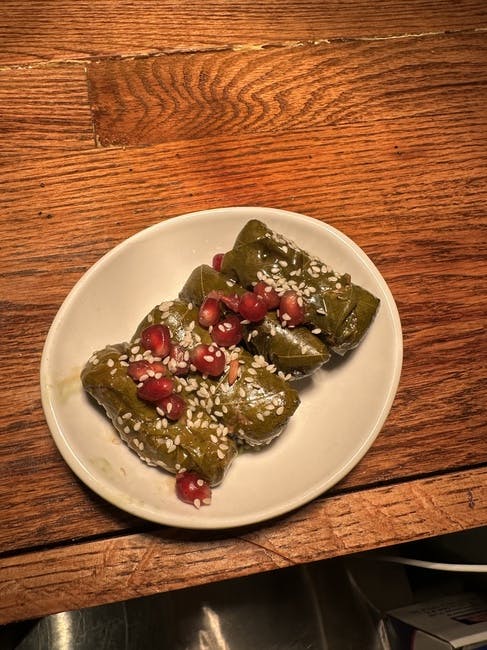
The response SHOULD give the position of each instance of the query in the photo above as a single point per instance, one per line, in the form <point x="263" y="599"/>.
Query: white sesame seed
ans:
<point x="137" y="426"/>
<point x="280" y="410"/>
<point x="260" y="416"/>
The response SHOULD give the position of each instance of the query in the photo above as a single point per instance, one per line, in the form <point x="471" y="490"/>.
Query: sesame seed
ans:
<point x="260" y="417"/>
<point x="127" y="415"/>
<point x="110" y="363"/>
<point x="126" y="429"/>
<point x="208" y="358"/>
<point x="316" y="331"/>
<point x="113" y="372"/>
<point x="220" y="454"/>
<point x="280" y="410"/>
<point x="241" y="392"/>
<point x="197" y="503"/>
<point x="137" y="426"/>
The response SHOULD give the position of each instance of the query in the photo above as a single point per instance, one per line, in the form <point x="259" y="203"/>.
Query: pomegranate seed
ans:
<point x="269" y="294"/>
<point x="139" y="369"/>
<point x="178" y="363"/>
<point x="157" y="339"/>
<point x="232" y="301"/>
<point x="217" y="261"/>
<point x="209" y="312"/>
<point x="228" y="331"/>
<point x="153" y="390"/>
<point x="173" y="406"/>
<point x="208" y="360"/>
<point x="291" y="309"/>
<point x="191" y="488"/>
<point x="252" y="307"/>
<point x="233" y="371"/>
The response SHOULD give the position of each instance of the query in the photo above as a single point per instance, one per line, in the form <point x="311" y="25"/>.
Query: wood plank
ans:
<point x="367" y="180"/>
<point x="44" y="582"/>
<point x="180" y="97"/>
<point x="35" y="30"/>
<point x="44" y="109"/>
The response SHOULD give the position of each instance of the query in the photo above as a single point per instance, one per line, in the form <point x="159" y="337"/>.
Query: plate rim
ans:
<point x="190" y="520"/>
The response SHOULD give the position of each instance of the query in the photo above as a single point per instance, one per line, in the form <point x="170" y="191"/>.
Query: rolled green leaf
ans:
<point x="296" y="352"/>
<point x="246" y="402"/>
<point x="337" y="310"/>
<point x="255" y="406"/>
<point x="174" y="446"/>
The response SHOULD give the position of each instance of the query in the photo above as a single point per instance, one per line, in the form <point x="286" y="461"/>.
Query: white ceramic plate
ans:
<point x="342" y="410"/>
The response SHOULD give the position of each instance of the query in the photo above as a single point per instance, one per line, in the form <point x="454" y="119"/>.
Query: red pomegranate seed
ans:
<point x="228" y="331"/>
<point x="173" y="406"/>
<point x="157" y="339"/>
<point x="191" y="488"/>
<point x="178" y="363"/>
<point x="217" y="261"/>
<point x="269" y="294"/>
<point x="252" y="307"/>
<point x="144" y="369"/>
<point x="153" y="390"/>
<point x="208" y="360"/>
<point x="209" y="312"/>
<point x="291" y="309"/>
<point x="231" y="301"/>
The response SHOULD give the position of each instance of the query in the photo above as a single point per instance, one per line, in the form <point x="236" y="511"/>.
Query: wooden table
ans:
<point x="117" y="115"/>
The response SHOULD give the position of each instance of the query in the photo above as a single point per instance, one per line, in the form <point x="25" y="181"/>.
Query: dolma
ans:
<point x="251" y="405"/>
<point x="337" y="310"/>
<point x="295" y="352"/>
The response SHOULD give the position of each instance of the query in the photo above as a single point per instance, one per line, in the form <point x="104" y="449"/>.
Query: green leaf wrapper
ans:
<point x="294" y="351"/>
<point x="140" y="426"/>
<point x="254" y="408"/>
<point x="341" y="310"/>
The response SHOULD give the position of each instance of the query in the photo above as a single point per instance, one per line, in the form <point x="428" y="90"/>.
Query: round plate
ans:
<point x="343" y="406"/>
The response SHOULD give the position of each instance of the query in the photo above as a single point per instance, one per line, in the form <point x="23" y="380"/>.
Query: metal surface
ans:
<point x="272" y="611"/>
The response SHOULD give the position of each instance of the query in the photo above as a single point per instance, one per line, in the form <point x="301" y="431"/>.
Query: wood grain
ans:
<point x="180" y="97"/>
<point x="372" y="119"/>
<point x="36" y="584"/>
<point x="44" y="110"/>
<point x="353" y="177"/>
<point x="39" y="30"/>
